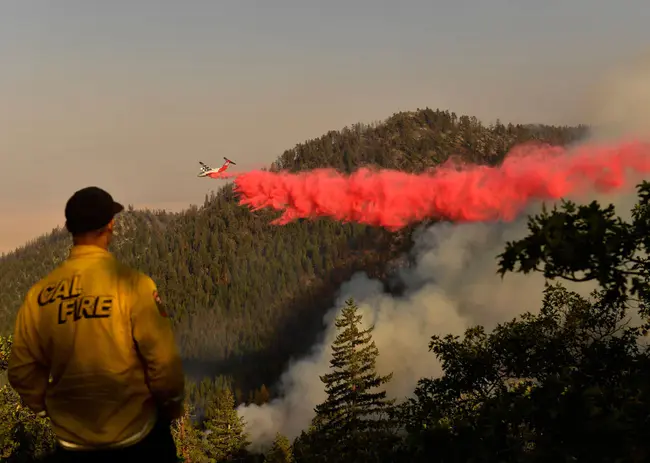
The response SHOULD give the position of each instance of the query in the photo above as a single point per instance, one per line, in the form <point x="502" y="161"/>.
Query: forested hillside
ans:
<point x="237" y="285"/>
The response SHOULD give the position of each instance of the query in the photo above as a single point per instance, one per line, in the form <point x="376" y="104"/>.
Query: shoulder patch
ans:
<point x="159" y="304"/>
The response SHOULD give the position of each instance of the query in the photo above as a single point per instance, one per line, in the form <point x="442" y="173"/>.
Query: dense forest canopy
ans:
<point x="247" y="296"/>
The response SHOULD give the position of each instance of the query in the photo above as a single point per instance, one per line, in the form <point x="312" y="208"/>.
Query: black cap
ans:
<point x="90" y="209"/>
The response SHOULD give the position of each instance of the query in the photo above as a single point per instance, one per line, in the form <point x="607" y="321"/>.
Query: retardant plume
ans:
<point x="222" y="175"/>
<point x="466" y="193"/>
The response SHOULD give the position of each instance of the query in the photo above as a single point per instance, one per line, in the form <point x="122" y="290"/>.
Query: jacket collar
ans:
<point x="86" y="250"/>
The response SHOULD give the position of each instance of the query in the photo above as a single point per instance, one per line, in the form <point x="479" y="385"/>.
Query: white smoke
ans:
<point x="452" y="286"/>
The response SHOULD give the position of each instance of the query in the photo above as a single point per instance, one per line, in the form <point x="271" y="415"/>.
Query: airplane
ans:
<point x="207" y="171"/>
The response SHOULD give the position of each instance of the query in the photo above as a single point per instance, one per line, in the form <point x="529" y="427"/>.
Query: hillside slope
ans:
<point x="247" y="295"/>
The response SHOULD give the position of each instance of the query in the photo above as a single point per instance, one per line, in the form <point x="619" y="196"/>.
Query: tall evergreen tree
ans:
<point x="224" y="435"/>
<point x="280" y="451"/>
<point x="187" y="439"/>
<point x="308" y="446"/>
<point x="356" y="419"/>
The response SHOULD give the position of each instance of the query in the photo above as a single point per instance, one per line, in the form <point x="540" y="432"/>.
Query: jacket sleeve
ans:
<point x="27" y="371"/>
<point x="154" y="339"/>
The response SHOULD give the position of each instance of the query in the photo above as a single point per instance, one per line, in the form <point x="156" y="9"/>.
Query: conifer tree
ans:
<point x="356" y="420"/>
<point x="224" y="435"/>
<point x="264" y="396"/>
<point x="280" y="451"/>
<point x="260" y="396"/>
<point x="186" y="436"/>
<point x="308" y="446"/>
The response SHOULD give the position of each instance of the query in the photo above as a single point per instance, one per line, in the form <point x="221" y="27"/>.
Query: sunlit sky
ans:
<point x="130" y="95"/>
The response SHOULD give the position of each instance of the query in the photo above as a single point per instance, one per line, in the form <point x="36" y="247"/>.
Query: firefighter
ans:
<point x="94" y="350"/>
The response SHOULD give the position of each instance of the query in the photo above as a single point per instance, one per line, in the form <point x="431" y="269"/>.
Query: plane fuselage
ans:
<point x="214" y="172"/>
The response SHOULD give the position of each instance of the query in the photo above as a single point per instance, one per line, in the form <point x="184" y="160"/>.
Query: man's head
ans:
<point x="89" y="216"/>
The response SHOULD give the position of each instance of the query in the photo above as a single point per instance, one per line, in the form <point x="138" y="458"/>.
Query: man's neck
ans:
<point x="90" y="242"/>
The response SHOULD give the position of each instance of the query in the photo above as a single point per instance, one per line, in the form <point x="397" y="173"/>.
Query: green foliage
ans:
<point x="280" y="451"/>
<point x="223" y="429"/>
<point x="582" y="243"/>
<point x="23" y="435"/>
<point x="187" y="438"/>
<point x="537" y="388"/>
<point x="307" y="446"/>
<point x="5" y="351"/>
<point x="355" y="422"/>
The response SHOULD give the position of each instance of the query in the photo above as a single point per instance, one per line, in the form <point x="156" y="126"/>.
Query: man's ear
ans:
<point x="110" y="225"/>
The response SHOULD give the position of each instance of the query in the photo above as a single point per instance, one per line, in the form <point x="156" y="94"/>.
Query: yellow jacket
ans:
<point x="94" y="350"/>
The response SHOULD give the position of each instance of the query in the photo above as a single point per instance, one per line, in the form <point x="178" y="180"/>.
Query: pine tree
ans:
<point x="224" y="435"/>
<point x="305" y="447"/>
<point x="280" y="451"/>
<point x="348" y="165"/>
<point x="261" y="396"/>
<point x="356" y="419"/>
<point x="187" y="438"/>
<point x="264" y="394"/>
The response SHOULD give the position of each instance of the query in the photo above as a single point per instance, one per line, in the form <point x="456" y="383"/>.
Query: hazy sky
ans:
<point x="129" y="95"/>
